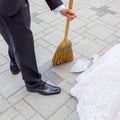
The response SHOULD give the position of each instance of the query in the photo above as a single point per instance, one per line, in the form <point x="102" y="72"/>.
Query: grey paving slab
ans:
<point x="3" y="60"/>
<point x="4" y="67"/>
<point x="42" y="55"/>
<point x="88" y="48"/>
<point x="37" y="117"/>
<point x="110" y="19"/>
<point x="4" y="104"/>
<point x="115" y="7"/>
<point x="51" y="76"/>
<point x="48" y="17"/>
<point x="73" y="116"/>
<point x="61" y="114"/>
<point x="36" y="28"/>
<point x="86" y="12"/>
<point x="63" y="72"/>
<point x="72" y="103"/>
<point x="19" y="117"/>
<point x="25" y="109"/>
<point x="103" y="10"/>
<point x="101" y="31"/>
<point x="18" y="96"/>
<point x="96" y="28"/>
<point x="10" y="84"/>
<point x="66" y="86"/>
<point x="4" y="49"/>
<point x="54" y="38"/>
<point x="9" y="114"/>
<point x="47" y="105"/>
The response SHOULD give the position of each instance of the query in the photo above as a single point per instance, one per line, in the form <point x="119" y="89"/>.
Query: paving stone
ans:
<point x="63" y="71"/>
<point x="49" y="30"/>
<point x="77" y="24"/>
<point x="117" y="33"/>
<point x="9" y="84"/>
<point x="56" y="22"/>
<point x="91" y="24"/>
<point x="101" y="14"/>
<point x="3" y="60"/>
<point x="36" y="20"/>
<point x="74" y="25"/>
<point x="34" y="14"/>
<point x="117" y="39"/>
<point x="95" y="29"/>
<point x="61" y="114"/>
<point x="37" y="117"/>
<point x="100" y="32"/>
<point x="96" y="3"/>
<point x="46" y="67"/>
<point x="110" y="19"/>
<point x="72" y="35"/>
<point x="94" y="18"/>
<point x="54" y="38"/>
<point x="76" y="55"/>
<point x="114" y="29"/>
<point x="101" y="43"/>
<point x="1" y="38"/>
<point x="111" y="39"/>
<point x="115" y="43"/>
<point x="33" y="9"/>
<point x="48" y="17"/>
<point x="87" y="35"/>
<point x="88" y="48"/>
<point x="103" y="10"/>
<point x="3" y="48"/>
<point x="42" y="55"/>
<point x="72" y="104"/>
<point x="38" y="37"/>
<point x="24" y="109"/>
<point x="47" y="105"/>
<point x="86" y="20"/>
<point x="4" y="105"/>
<point x="9" y="114"/>
<point x="51" y="76"/>
<point x="82" y="30"/>
<point x="19" y="95"/>
<point x="45" y="25"/>
<point x="51" y="49"/>
<point x="19" y="117"/>
<point x="73" y="116"/>
<point x="36" y="29"/>
<point x="108" y="47"/>
<point x="118" y="25"/>
<point x="66" y="86"/>
<point x="115" y="7"/>
<point x="85" y="12"/>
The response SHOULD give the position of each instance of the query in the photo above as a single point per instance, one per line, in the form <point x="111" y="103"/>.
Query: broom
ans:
<point x="64" y="51"/>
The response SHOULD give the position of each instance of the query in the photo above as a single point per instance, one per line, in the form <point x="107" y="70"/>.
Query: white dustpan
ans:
<point x="80" y="65"/>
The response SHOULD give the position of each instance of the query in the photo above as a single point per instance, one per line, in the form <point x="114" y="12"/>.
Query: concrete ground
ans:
<point x="96" y="28"/>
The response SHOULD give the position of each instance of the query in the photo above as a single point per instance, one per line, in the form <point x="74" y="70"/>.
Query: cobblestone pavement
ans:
<point x="96" y="28"/>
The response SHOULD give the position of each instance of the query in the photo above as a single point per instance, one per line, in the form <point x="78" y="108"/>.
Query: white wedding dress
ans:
<point x="98" y="88"/>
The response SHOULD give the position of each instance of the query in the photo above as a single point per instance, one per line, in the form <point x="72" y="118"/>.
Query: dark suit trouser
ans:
<point x="16" y="32"/>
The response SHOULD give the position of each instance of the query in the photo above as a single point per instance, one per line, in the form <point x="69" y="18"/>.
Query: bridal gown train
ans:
<point x="98" y="88"/>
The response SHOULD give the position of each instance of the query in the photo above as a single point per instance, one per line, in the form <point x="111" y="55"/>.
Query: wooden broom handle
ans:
<point x="67" y="21"/>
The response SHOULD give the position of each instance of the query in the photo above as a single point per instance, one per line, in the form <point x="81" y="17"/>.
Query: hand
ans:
<point x="69" y="13"/>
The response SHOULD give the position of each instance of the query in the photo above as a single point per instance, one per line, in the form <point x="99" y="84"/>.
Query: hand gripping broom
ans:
<point x="64" y="51"/>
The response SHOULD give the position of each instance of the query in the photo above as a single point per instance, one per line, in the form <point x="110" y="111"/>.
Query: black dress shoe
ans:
<point x="14" y="69"/>
<point x="44" y="89"/>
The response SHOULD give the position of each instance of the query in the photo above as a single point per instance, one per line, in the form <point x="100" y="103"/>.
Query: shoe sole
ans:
<point x="43" y="93"/>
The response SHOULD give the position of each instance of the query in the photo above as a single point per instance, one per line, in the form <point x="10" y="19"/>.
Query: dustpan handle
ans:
<point x="67" y="21"/>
